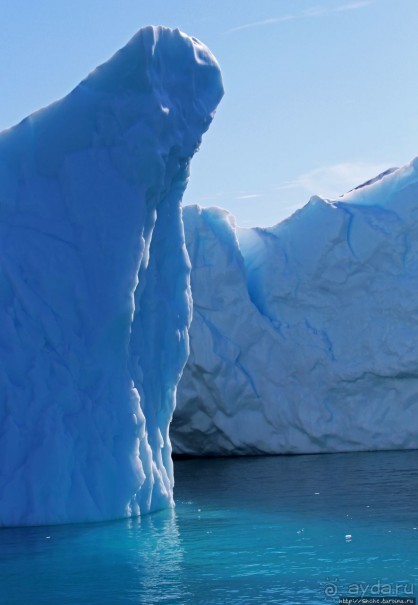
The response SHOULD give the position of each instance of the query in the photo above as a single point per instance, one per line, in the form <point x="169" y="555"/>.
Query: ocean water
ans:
<point x="282" y="529"/>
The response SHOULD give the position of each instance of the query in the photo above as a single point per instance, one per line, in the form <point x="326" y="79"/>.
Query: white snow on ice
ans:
<point x="305" y="335"/>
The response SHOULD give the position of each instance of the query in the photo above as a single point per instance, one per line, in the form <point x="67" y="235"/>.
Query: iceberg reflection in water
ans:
<point x="250" y="530"/>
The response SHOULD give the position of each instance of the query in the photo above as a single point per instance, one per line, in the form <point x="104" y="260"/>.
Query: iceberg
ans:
<point x="304" y="336"/>
<point x="94" y="284"/>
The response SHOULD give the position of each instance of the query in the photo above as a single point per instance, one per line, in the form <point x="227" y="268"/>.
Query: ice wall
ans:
<point x="94" y="297"/>
<point x="305" y="335"/>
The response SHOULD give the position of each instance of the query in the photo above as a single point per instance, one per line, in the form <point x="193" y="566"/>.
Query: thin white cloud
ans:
<point x="314" y="12"/>
<point x="248" y="196"/>
<point x="334" y="180"/>
<point x="352" y="6"/>
<point x="272" y="21"/>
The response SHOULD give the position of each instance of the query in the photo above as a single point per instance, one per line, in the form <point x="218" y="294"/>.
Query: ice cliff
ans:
<point x="305" y="335"/>
<point x="94" y="297"/>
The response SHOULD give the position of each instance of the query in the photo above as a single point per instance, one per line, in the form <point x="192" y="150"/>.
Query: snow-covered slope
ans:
<point x="94" y="298"/>
<point x="305" y="335"/>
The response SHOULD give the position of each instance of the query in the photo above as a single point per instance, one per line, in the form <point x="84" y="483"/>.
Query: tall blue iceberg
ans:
<point x="305" y="335"/>
<point x="94" y="284"/>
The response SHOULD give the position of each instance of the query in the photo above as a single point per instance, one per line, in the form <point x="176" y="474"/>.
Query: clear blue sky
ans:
<point x="320" y="94"/>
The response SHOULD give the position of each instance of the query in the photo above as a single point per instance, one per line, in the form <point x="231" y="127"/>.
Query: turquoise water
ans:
<point x="244" y="531"/>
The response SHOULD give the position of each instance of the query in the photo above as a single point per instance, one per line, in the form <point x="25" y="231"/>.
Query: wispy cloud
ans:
<point x="352" y="6"/>
<point x="220" y="197"/>
<point x="248" y="196"/>
<point x="314" y="12"/>
<point x="272" y="21"/>
<point x="336" y="179"/>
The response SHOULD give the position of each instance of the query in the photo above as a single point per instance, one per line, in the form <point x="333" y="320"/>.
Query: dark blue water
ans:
<point x="244" y="531"/>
